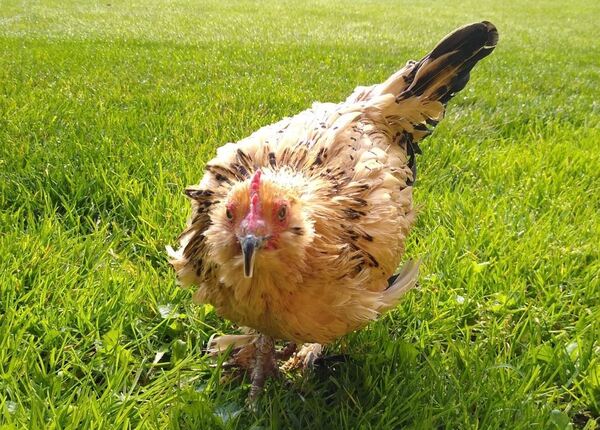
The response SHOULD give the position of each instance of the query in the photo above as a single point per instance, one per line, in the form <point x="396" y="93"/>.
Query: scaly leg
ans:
<point x="265" y="365"/>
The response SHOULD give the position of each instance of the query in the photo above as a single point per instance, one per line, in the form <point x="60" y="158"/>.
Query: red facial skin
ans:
<point x="279" y="222"/>
<point x="255" y="222"/>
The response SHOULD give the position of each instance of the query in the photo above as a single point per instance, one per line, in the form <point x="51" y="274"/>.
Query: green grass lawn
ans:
<point x="109" y="109"/>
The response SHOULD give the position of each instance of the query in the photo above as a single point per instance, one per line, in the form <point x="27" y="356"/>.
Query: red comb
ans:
<point x="255" y="184"/>
<point x="255" y="209"/>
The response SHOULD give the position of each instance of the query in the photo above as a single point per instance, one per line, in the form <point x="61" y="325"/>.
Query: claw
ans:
<point x="287" y="351"/>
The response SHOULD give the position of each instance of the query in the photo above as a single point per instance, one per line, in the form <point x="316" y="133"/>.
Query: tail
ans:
<point x="422" y="89"/>
<point x="399" y="284"/>
<point x="445" y="70"/>
<point x="441" y="73"/>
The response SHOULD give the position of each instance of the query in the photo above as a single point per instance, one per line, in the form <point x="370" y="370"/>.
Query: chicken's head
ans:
<point x="261" y="219"/>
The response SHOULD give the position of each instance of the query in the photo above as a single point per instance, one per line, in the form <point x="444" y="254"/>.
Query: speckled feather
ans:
<point x="347" y="171"/>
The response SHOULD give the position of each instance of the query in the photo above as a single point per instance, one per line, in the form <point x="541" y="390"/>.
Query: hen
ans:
<point x="296" y="231"/>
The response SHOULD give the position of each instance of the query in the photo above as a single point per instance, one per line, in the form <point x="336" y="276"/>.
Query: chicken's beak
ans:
<point x="250" y="244"/>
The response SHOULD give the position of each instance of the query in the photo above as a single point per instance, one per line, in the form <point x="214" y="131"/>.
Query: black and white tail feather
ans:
<point x="435" y="78"/>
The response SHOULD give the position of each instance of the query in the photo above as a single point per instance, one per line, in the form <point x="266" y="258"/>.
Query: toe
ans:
<point x="305" y="358"/>
<point x="219" y="344"/>
<point x="313" y="352"/>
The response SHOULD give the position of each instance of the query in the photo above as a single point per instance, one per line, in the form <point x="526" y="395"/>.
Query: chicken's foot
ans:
<point x="256" y="355"/>
<point x="305" y="358"/>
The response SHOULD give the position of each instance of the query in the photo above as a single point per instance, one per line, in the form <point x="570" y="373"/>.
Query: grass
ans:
<point x="107" y="110"/>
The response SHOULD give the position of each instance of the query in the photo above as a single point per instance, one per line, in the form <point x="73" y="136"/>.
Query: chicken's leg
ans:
<point x="265" y="365"/>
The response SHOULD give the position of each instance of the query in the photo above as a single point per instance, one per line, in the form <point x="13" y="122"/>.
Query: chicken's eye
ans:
<point x="281" y="213"/>
<point x="229" y="214"/>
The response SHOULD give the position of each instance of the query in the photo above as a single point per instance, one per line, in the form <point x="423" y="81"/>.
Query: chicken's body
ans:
<point x="343" y="175"/>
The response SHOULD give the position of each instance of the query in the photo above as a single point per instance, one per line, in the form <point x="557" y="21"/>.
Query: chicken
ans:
<point x="296" y="230"/>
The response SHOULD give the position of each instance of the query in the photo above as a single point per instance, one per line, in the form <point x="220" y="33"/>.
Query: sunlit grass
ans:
<point x="108" y="110"/>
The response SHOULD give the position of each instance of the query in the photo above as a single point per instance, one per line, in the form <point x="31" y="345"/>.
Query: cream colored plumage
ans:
<point x="343" y="174"/>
